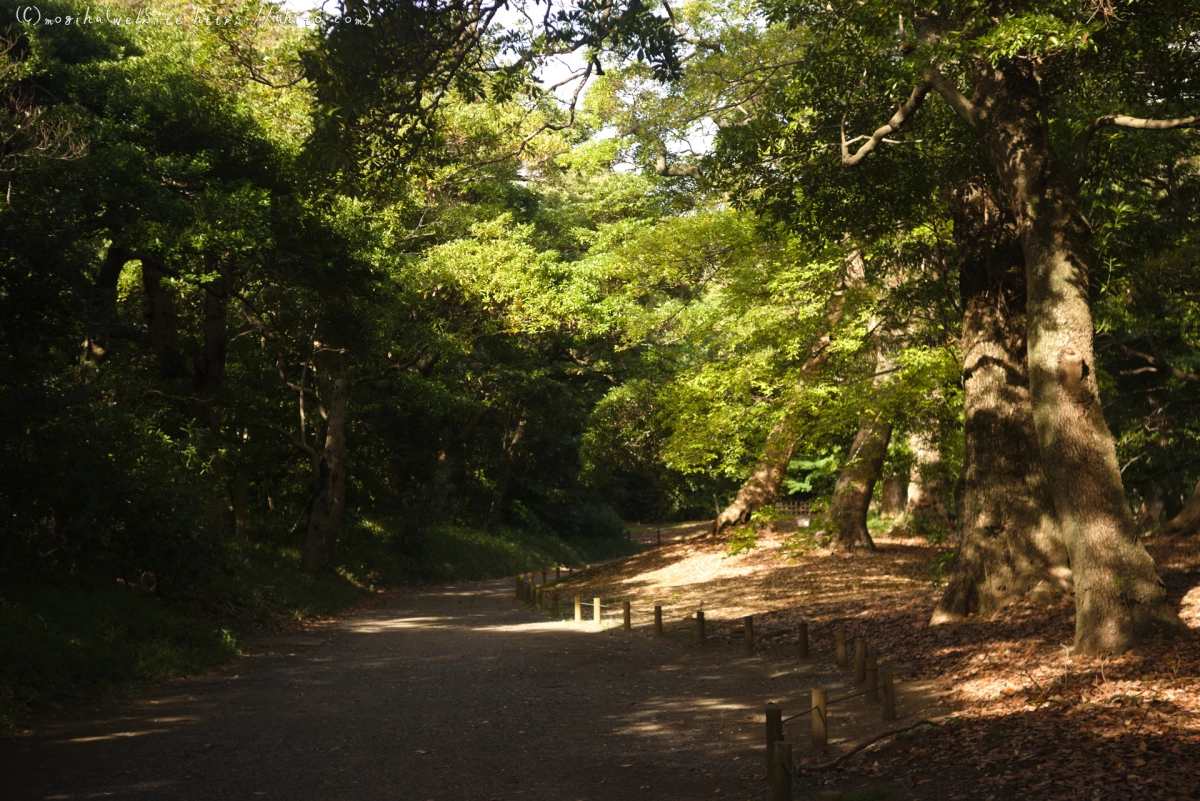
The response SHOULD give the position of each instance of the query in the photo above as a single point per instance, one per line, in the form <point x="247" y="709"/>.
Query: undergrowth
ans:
<point x="68" y="638"/>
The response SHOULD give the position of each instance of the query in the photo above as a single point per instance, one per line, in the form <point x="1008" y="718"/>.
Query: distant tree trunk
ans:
<point x="926" y="490"/>
<point x="506" y="468"/>
<point x="1187" y="521"/>
<point x="1119" y="595"/>
<point x="1008" y="539"/>
<point x="329" y="502"/>
<point x="443" y="472"/>
<point x="161" y="322"/>
<point x="240" y="486"/>
<point x="893" y="496"/>
<point x="208" y="378"/>
<point x="856" y="484"/>
<point x="762" y="487"/>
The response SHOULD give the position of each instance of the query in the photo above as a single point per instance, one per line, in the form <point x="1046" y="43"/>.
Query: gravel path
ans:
<point x="456" y="692"/>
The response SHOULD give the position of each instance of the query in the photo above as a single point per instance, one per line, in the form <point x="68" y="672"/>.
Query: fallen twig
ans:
<point x="865" y="743"/>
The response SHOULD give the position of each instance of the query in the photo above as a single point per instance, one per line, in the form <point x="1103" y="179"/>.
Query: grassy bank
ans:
<point x="68" y="640"/>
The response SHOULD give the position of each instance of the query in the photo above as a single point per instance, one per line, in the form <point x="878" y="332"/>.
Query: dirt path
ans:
<point x="456" y="693"/>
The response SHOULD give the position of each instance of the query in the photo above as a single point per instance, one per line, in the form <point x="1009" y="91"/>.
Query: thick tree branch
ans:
<point x="945" y="87"/>
<point x="894" y="124"/>
<point x="1120" y="121"/>
<point x="662" y="168"/>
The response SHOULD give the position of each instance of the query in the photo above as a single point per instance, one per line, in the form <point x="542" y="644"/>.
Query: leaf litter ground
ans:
<point x="1019" y="716"/>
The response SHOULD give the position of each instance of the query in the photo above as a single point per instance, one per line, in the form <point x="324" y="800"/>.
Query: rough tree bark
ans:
<point x="856" y="484"/>
<point x="926" y="491"/>
<point x="161" y="321"/>
<point x="893" y="496"/>
<point x="1007" y="537"/>
<point x="329" y="501"/>
<point x="507" y="459"/>
<point x="762" y="487"/>
<point x="1119" y="596"/>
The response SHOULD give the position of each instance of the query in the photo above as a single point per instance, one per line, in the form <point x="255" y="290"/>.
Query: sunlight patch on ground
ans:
<point x="1189" y="609"/>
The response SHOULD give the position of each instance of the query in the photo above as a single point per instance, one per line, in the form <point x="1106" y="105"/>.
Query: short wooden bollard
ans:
<point x="596" y="611"/>
<point x="554" y="606"/>
<point x="860" y="662"/>
<point x="774" y="718"/>
<point x="872" y="680"/>
<point x="537" y="598"/>
<point x="520" y="587"/>
<point x="543" y="576"/>
<point x="557" y="573"/>
<point x="532" y="590"/>
<point x="820" y="719"/>
<point x="841" y="649"/>
<point x="889" y="694"/>
<point x="748" y="626"/>
<point x="802" y="636"/>
<point x="578" y="609"/>
<point x="658" y="630"/>
<point x="781" y="770"/>
<point x="627" y="623"/>
<point x="699" y="627"/>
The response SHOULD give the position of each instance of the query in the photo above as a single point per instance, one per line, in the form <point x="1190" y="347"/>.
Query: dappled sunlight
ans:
<point x="100" y="737"/>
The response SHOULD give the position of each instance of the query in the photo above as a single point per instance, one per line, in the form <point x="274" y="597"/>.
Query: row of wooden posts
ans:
<point x="878" y="684"/>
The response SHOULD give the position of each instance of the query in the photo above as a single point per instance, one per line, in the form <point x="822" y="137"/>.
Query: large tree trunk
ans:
<point x="893" y="496"/>
<point x="762" y="487"/>
<point x="926" y="490"/>
<point x="1119" y="596"/>
<point x="507" y="460"/>
<point x="329" y="502"/>
<point x="1007" y="535"/>
<point x="856" y="484"/>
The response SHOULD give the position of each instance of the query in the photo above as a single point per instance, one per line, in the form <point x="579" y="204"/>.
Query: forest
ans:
<point x="299" y="306"/>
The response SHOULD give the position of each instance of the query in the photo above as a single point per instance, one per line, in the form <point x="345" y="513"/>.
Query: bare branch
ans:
<point x="1120" y="121"/>
<point x="894" y="124"/>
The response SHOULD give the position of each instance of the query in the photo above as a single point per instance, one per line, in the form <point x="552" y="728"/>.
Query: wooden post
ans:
<point x="774" y="718"/>
<point x="537" y="597"/>
<point x="554" y="606"/>
<point x="628" y="622"/>
<point x="658" y="630"/>
<point x="820" y="719"/>
<point x="596" y="611"/>
<point x="578" y="609"/>
<point x="519" y="588"/>
<point x="557" y="573"/>
<point x="889" y="694"/>
<point x="748" y="627"/>
<point x="860" y="662"/>
<point x="803" y="638"/>
<point x="699" y="627"/>
<point x="841" y="649"/>
<point x="872" y="679"/>
<point x="570" y="570"/>
<point x="543" y="576"/>
<point x="532" y="594"/>
<point x="781" y="768"/>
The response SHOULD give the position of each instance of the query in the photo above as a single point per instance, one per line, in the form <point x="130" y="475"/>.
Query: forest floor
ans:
<point x="461" y="692"/>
